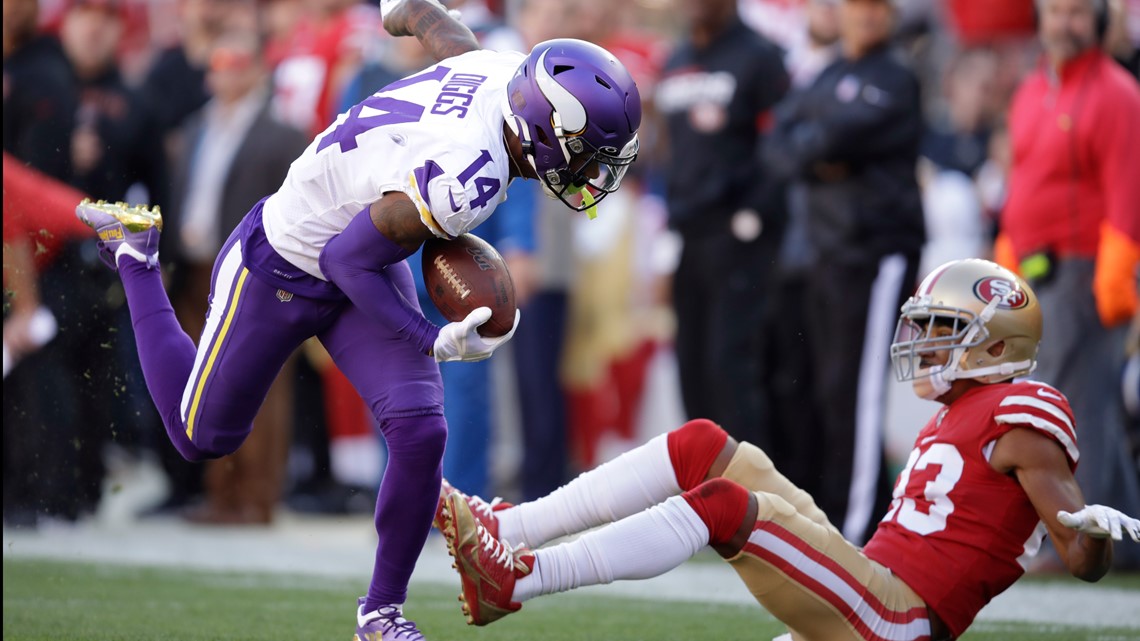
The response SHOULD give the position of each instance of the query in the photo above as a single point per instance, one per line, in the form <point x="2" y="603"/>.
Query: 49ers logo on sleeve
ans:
<point x="1010" y="295"/>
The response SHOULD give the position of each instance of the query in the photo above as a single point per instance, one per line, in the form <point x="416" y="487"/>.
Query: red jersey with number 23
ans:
<point x="958" y="532"/>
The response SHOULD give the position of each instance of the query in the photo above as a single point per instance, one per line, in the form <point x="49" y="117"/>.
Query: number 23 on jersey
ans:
<point x="929" y="514"/>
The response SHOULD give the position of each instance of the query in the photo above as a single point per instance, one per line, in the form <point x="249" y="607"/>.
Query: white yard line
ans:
<point x="342" y="548"/>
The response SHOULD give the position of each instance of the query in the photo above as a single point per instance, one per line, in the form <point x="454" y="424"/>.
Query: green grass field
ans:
<point x="55" y="601"/>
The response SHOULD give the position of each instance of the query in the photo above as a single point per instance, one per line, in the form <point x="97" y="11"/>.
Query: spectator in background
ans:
<point x="954" y="149"/>
<point x="39" y="94"/>
<point x="959" y="135"/>
<point x="1072" y="226"/>
<point x="176" y="83"/>
<point x="1122" y="39"/>
<point x="820" y="46"/>
<point x="715" y="95"/>
<point x="238" y="153"/>
<point x="780" y="21"/>
<point x="319" y="57"/>
<point x="853" y="136"/>
<point x="116" y="141"/>
<point x="787" y="366"/>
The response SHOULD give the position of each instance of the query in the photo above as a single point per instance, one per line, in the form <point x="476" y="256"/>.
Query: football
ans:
<point x="464" y="274"/>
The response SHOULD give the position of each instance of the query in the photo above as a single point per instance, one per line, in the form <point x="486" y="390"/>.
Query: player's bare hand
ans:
<point x="1101" y="521"/>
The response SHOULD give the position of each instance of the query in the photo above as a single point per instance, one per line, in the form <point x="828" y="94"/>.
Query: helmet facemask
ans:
<point x="608" y="164"/>
<point x="918" y="341"/>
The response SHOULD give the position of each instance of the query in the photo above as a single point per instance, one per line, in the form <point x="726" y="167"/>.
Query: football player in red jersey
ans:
<point x="989" y="476"/>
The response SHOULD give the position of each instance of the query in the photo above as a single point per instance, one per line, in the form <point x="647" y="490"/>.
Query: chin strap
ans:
<point x="937" y="383"/>
<point x="1005" y="370"/>
<point x="519" y="129"/>
<point x="942" y="377"/>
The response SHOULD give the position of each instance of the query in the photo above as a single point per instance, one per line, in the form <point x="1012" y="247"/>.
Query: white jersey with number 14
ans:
<point x="435" y="136"/>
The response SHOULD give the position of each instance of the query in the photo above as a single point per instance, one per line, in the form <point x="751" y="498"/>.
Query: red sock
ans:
<point x="693" y="448"/>
<point x="722" y="504"/>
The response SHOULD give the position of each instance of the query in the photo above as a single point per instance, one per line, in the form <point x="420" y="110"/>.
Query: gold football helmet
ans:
<point x="984" y="304"/>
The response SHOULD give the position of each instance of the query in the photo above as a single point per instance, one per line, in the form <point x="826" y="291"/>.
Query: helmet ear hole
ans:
<point x="997" y="349"/>
<point x="541" y="133"/>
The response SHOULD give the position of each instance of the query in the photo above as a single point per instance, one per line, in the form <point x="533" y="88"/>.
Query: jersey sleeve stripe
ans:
<point x="1044" y="406"/>
<point x="425" y="212"/>
<point x="1045" y="426"/>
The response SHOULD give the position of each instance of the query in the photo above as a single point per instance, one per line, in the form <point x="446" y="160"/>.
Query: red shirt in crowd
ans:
<point x="1076" y="158"/>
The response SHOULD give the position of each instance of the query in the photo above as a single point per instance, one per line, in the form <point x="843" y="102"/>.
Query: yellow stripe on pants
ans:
<point x="214" y="354"/>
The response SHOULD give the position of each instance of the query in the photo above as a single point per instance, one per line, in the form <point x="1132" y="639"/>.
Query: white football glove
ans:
<point x="1101" y="521"/>
<point x="460" y="341"/>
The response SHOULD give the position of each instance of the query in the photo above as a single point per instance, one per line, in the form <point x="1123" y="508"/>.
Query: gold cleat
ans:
<point x="118" y="224"/>
<point x="133" y="218"/>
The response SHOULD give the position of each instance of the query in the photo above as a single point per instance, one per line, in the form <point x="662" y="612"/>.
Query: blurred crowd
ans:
<point x="803" y="162"/>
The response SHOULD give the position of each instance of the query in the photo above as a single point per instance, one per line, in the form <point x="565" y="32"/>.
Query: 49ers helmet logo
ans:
<point x="1011" y="296"/>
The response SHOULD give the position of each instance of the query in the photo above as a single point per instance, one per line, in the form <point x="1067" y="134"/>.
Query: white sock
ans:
<point x="639" y="547"/>
<point x="630" y="483"/>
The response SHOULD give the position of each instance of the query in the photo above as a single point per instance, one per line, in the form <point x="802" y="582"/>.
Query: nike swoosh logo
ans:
<point x="364" y="619"/>
<point x="455" y="208"/>
<point x="1047" y="394"/>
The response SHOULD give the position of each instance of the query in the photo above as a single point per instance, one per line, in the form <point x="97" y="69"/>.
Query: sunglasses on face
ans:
<point x="223" y="59"/>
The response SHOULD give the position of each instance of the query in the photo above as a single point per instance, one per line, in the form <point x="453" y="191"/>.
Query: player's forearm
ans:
<point x="356" y="261"/>
<point x="440" y="34"/>
<point x="1089" y="558"/>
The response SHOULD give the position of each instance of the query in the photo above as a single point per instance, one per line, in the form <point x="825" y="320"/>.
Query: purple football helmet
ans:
<point x="576" y="110"/>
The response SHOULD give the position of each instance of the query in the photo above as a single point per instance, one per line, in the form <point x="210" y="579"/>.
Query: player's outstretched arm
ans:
<point x="1040" y="466"/>
<point x="437" y="29"/>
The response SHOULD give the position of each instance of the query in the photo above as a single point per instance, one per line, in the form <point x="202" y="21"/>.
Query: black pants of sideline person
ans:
<point x="853" y="313"/>
<point x="720" y="290"/>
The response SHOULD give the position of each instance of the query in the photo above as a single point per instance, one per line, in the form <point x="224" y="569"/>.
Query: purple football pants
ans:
<point x="208" y="395"/>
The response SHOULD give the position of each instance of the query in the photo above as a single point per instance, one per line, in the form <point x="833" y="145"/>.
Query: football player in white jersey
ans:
<point x="990" y="475"/>
<point x="430" y="154"/>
